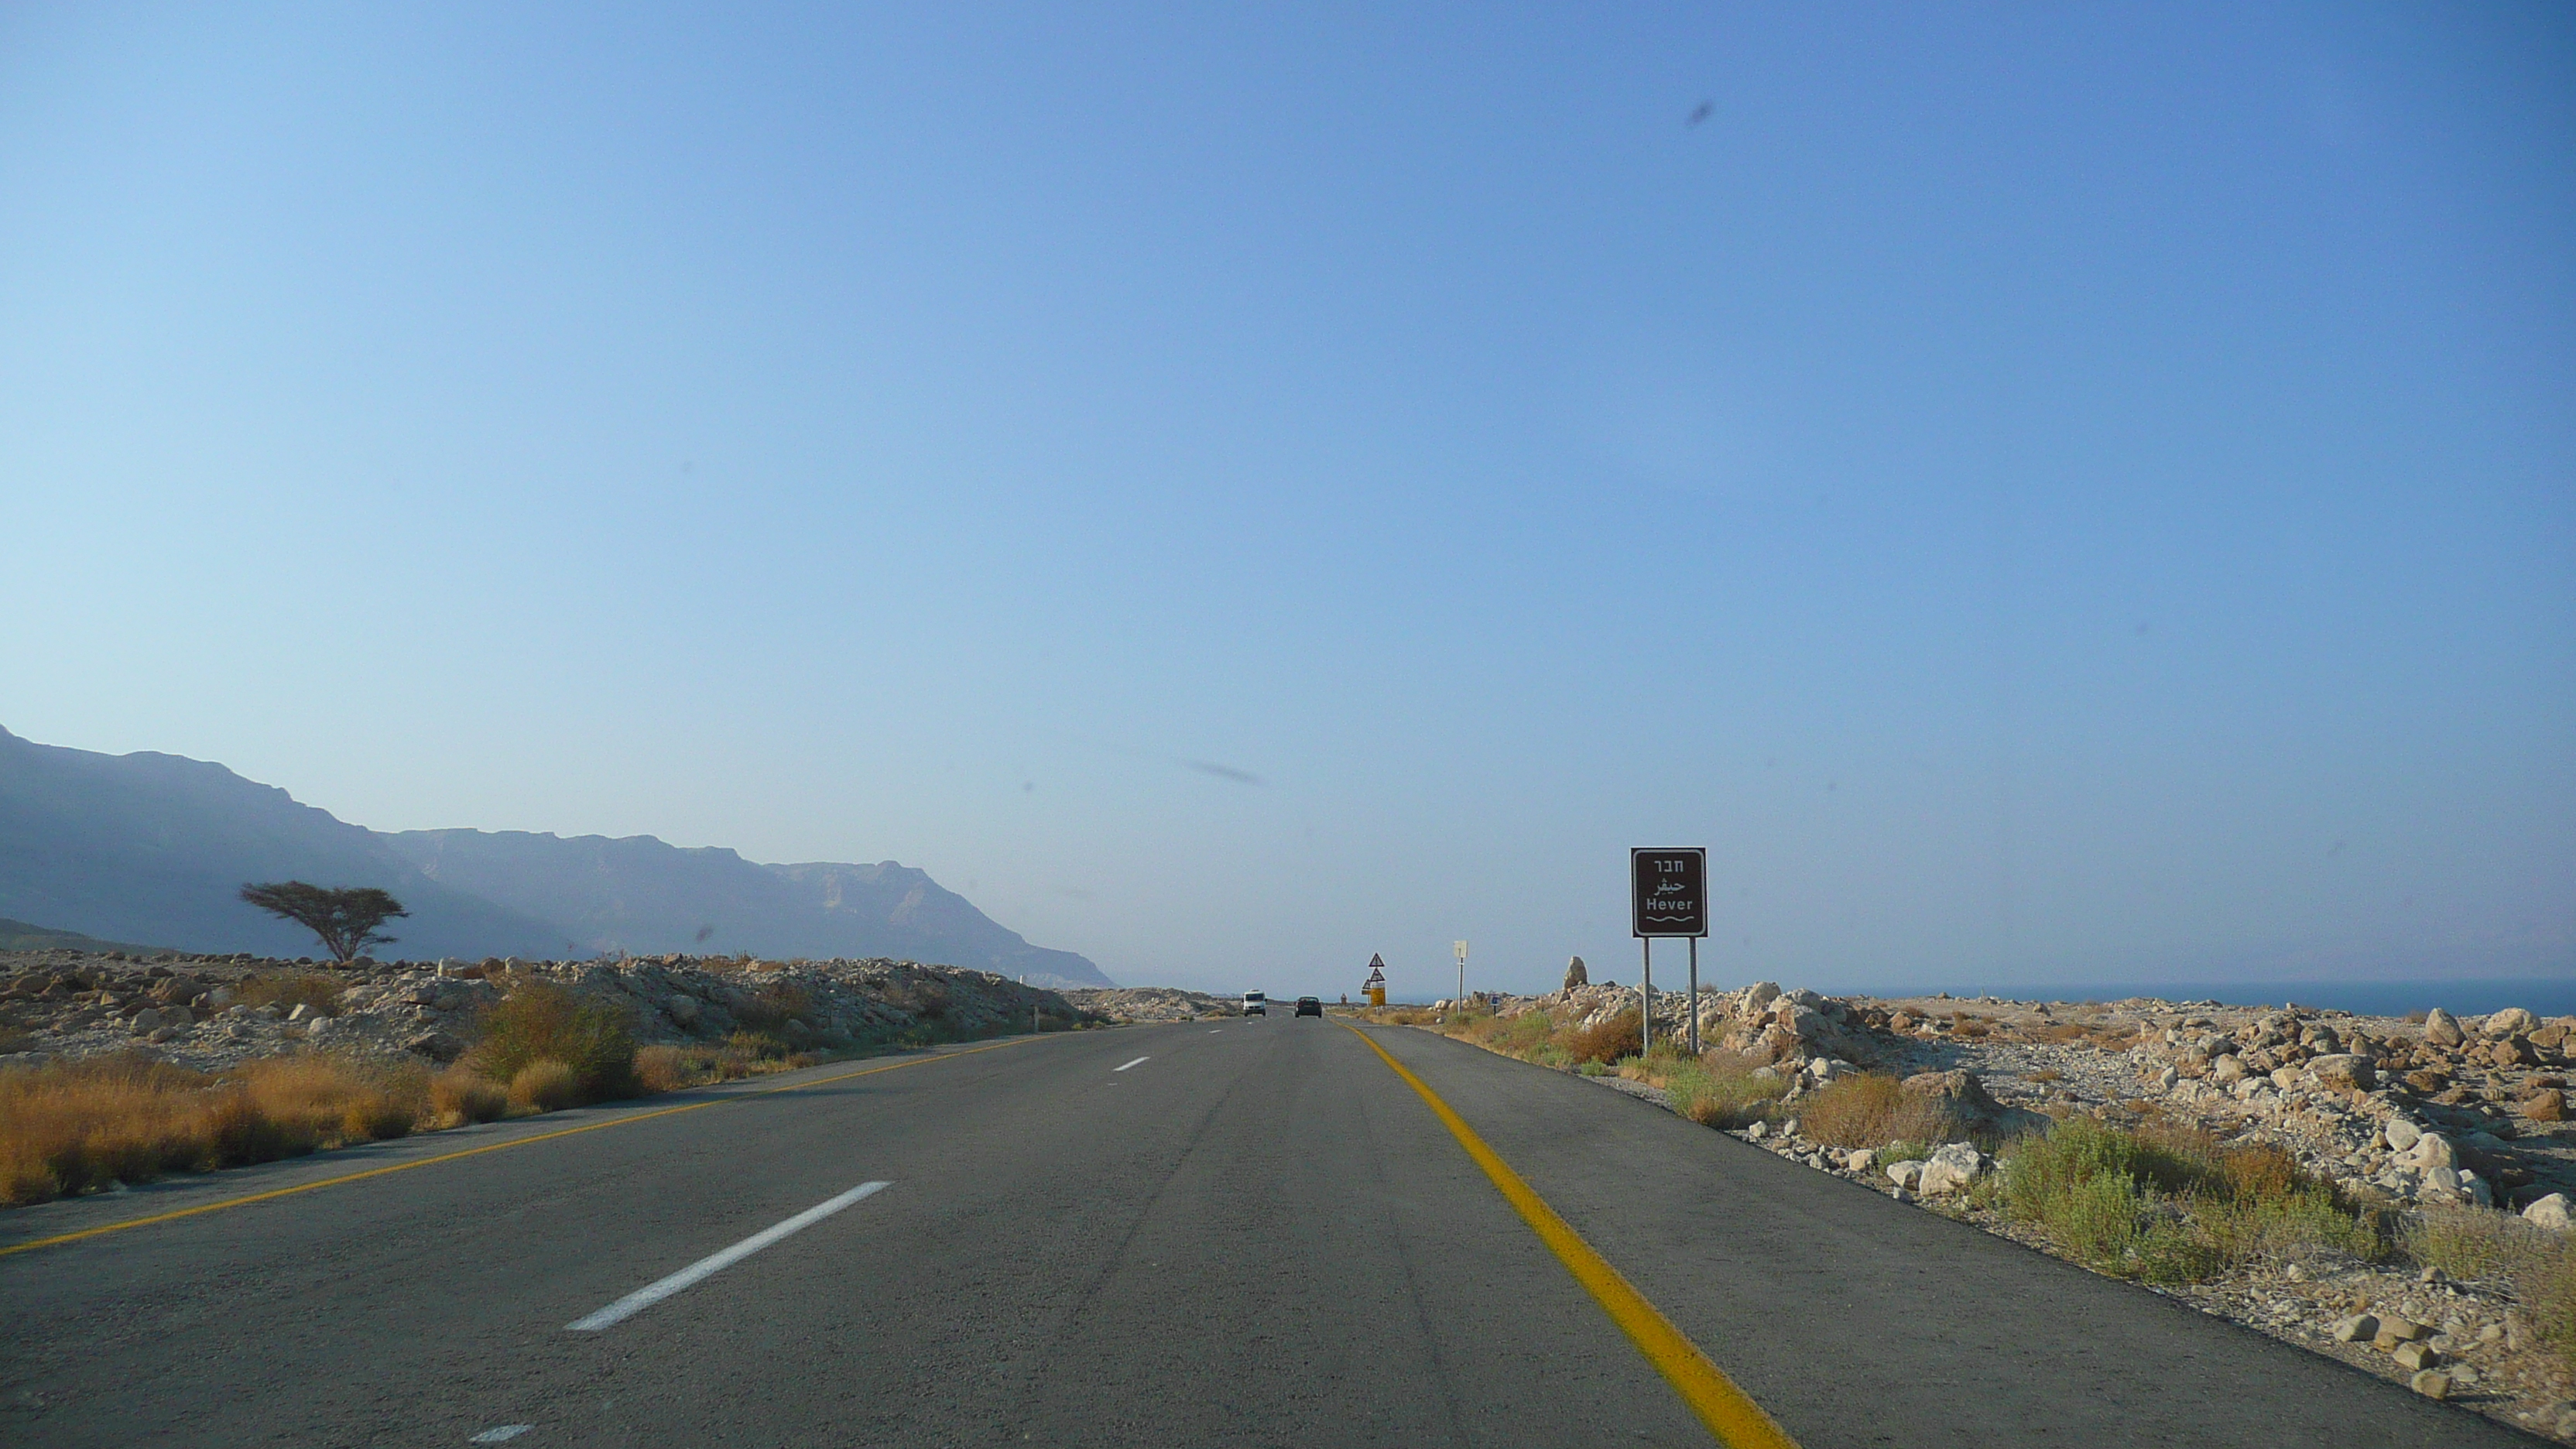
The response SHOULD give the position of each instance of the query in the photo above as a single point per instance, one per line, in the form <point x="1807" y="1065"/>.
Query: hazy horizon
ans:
<point x="2042" y="497"/>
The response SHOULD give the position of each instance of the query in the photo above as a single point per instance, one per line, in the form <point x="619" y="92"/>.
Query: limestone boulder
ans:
<point x="2431" y="1150"/>
<point x="2512" y="1021"/>
<point x="1953" y="1166"/>
<point x="2442" y="1029"/>
<point x="1961" y="1093"/>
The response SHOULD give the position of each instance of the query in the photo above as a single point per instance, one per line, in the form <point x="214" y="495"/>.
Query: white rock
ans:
<point x="1953" y="1166"/>
<point x="2551" y="1212"/>
<point x="2431" y="1149"/>
<point x="2399" y="1133"/>
<point x="2477" y="1188"/>
<point x="1905" y="1174"/>
<point x="2512" y="1021"/>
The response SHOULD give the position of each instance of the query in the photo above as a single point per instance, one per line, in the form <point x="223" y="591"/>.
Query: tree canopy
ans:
<point x="345" y="918"/>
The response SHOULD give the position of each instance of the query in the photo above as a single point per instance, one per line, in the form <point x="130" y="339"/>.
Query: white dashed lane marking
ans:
<point x="1138" y="1061"/>
<point x="652" y="1293"/>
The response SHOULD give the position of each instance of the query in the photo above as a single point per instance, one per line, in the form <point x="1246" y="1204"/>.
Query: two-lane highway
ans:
<point x="1254" y="1233"/>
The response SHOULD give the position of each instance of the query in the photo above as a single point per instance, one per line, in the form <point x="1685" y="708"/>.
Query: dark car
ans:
<point x="1310" y="1006"/>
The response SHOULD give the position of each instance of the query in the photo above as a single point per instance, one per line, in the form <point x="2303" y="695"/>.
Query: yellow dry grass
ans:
<point x="545" y="1085"/>
<point x="80" y="1126"/>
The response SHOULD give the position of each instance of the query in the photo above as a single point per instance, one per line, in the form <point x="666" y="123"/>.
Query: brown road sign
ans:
<point x="1668" y="892"/>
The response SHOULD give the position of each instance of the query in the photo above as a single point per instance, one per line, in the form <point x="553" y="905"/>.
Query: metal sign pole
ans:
<point x="1646" y="999"/>
<point x="1694" y="996"/>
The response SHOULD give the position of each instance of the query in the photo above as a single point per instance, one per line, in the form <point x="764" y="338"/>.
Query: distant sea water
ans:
<point x="2464" y="996"/>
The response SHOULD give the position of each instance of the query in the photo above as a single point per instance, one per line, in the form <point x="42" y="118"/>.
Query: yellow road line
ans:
<point x="1728" y="1413"/>
<point x="245" y="1201"/>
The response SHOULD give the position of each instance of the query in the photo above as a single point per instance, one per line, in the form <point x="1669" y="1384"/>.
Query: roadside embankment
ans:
<point x="2392" y="1192"/>
<point x="1151" y="1003"/>
<point x="120" y="1069"/>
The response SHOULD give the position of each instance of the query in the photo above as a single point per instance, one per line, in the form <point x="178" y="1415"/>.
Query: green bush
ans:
<point x="2172" y="1204"/>
<point x="543" y="1022"/>
<point x="1717" y="1097"/>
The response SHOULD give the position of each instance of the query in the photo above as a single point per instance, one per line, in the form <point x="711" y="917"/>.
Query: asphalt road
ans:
<point x="1258" y="1235"/>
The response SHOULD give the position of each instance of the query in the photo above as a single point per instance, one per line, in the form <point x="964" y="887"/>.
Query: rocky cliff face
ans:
<point x="637" y="894"/>
<point x="154" y="848"/>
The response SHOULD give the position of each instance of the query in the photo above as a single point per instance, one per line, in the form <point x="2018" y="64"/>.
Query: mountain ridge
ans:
<point x="154" y="847"/>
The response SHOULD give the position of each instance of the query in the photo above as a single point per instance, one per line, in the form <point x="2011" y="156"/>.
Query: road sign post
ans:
<point x="1667" y="896"/>
<point x="1461" y="948"/>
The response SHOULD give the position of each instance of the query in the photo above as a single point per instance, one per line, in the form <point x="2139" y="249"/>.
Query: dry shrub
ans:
<point x="2476" y="1245"/>
<point x="2259" y="1171"/>
<point x="1962" y="1024"/>
<point x="667" y="1069"/>
<point x="775" y="1005"/>
<point x="2550" y="1289"/>
<point x="743" y="1054"/>
<point x="542" y="1022"/>
<point x="332" y="1100"/>
<point x="287" y="992"/>
<point x="71" y="1127"/>
<point x="1719" y="1089"/>
<point x="755" y="1046"/>
<point x="2064" y="1032"/>
<point x="1872" y="1110"/>
<point x="459" y="1095"/>
<point x="546" y="1085"/>
<point x="1608" y="1041"/>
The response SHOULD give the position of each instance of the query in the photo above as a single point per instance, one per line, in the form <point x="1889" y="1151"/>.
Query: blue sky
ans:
<point x="2044" y="496"/>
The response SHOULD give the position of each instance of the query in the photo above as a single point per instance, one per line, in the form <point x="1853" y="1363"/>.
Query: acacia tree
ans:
<point x="345" y="918"/>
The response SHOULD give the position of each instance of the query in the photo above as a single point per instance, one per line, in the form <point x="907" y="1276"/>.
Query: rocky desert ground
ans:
<point x="2436" y="1124"/>
<point x="211" y="1012"/>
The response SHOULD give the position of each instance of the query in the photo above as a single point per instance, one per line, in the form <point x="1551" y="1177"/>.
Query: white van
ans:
<point x="1256" y="1003"/>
